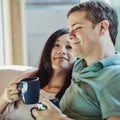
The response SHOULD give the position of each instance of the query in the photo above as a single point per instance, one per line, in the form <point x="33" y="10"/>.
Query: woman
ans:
<point x="54" y="72"/>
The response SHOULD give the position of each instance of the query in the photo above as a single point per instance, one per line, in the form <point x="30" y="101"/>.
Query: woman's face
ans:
<point x="61" y="55"/>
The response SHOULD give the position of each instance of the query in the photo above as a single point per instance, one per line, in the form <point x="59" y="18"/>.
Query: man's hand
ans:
<point x="51" y="113"/>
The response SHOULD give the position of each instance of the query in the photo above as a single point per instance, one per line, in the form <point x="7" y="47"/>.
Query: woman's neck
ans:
<point x="56" y="82"/>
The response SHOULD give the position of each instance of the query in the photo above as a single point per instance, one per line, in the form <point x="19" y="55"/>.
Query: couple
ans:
<point x="94" y="90"/>
<point x="95" y="86"/>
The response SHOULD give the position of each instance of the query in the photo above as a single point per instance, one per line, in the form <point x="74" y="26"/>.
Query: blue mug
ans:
<point x="29" y="90"/>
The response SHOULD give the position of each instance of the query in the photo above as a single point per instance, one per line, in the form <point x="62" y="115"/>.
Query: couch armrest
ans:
<point x="10" y="72"/>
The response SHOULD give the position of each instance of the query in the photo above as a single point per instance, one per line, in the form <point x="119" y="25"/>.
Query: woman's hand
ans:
<point x="11" y="93"/>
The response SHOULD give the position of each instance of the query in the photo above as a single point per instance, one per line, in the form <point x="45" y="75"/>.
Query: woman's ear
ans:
<point x="104" y="26"/>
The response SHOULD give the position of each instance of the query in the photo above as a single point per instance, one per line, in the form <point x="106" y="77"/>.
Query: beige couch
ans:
<point x="10" y="72"/>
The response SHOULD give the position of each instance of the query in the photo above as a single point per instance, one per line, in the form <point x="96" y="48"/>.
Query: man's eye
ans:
<point x="77" y="28"/>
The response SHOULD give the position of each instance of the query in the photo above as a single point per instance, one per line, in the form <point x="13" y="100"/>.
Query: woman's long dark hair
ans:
<point x="45" y="70"/>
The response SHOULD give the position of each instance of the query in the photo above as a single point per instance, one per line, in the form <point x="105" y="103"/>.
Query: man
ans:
<point x="94" y="91"/>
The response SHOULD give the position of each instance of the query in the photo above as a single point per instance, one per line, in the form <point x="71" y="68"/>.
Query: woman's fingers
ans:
<point x="11" y="93"/>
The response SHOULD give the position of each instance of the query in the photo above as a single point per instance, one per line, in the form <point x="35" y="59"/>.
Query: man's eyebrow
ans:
<point x="76" y="24"/>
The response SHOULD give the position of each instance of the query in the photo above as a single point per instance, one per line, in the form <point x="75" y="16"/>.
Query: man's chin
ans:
<point x="76" y="54"/>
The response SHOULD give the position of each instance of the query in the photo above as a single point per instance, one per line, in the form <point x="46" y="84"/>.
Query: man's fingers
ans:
<point x="49" y="104"/>
<point x="35" y="113"/>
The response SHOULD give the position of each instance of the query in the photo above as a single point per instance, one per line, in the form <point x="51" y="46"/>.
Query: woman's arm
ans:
<point x="10" y="93"/>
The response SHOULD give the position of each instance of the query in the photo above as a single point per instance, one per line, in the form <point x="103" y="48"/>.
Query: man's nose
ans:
<point x="71" y="34"/>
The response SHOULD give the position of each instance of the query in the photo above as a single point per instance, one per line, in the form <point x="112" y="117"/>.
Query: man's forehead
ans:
<point x="76" y="17"/>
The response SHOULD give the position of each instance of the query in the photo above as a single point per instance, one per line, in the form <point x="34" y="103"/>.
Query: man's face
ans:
<point x="84" y="38"/>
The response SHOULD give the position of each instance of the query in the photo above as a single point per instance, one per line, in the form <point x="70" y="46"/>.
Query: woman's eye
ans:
<point x="56" y="45"/>
<point x="68" y="47"/>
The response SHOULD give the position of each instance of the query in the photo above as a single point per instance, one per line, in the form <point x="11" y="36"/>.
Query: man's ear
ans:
<point x="104" y="26"/>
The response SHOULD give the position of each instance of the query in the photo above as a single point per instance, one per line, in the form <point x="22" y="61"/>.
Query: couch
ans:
<point x="10" y="72"/>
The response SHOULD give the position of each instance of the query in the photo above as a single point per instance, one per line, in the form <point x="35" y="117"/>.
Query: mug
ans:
<point x="29" y="89"/>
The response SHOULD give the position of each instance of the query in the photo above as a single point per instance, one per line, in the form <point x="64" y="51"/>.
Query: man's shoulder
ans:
<point x="78" y="61"/>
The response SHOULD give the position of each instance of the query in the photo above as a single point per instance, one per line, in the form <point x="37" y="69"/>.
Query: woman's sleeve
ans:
<point x="7" y="112"/>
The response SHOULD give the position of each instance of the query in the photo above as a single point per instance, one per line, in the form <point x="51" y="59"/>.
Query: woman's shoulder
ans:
<point x="24" y="75"/>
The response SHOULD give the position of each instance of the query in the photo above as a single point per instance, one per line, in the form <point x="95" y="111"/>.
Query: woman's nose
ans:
<point x="62" y="50"/>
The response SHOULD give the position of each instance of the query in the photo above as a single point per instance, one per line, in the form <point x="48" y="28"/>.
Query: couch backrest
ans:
<point x="10" y="72"/>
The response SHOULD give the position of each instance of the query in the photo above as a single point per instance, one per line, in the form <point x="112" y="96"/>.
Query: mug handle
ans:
<point x="32" y="112"/>
<point x="40" y="106"/>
